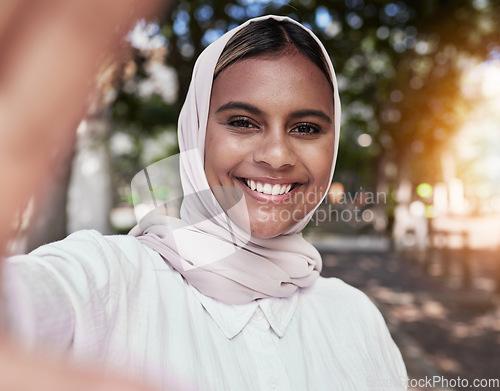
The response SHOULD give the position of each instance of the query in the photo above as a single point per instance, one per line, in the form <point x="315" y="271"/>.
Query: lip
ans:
<point x="274" y="181"/>
<point x="268" y="198"/>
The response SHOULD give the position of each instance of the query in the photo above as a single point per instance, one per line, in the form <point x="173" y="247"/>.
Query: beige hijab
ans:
<point x="211" y="252"/>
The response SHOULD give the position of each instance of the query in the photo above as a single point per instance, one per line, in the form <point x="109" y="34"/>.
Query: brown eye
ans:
<point x="306" y="129"/>
<point x="241" y="123"/>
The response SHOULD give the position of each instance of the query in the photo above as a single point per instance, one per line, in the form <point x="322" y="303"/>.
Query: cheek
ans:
<point x="327" y="168"/>
<point x="211" y="150"/>
<point x="321" y="165"/>
<point x="220" y="157"/>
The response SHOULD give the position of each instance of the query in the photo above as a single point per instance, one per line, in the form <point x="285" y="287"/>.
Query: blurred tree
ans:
<point x="398" y="63"/>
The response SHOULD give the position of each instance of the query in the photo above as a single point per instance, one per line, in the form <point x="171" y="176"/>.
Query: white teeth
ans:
<point x="268" y="188"/>
<point x="276" y="189"/>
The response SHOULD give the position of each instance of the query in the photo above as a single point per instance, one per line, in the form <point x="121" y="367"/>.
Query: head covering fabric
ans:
<point x="220" y="259"/>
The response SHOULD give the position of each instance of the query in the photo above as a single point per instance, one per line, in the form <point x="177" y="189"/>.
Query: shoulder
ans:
<point x="335" y="291"/>
<point x="91" y="240"/>
<point x="89" y="255"/>
<point x="91" y="244"/>
<point x="339" y="303"/>
<point x="87" y="265"/>
<point x="352" y="324"/>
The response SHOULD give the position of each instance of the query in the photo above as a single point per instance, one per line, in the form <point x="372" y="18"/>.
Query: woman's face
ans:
<point x="271" y="134"/>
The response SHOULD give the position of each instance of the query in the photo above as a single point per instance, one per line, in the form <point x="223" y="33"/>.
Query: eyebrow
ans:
<point x="313" y="113"/>
<point x="254" y="110"/>
<point x="239" y="105"/>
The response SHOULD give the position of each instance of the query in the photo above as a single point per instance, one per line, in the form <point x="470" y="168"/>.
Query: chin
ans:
<point x="266" y="235"/>
<point x="267" y="232"/>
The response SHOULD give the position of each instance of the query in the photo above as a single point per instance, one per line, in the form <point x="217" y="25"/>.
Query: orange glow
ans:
<point x="336" y="192"/>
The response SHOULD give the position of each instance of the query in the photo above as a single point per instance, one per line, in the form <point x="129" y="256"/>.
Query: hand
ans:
<point x="50" y="52"/>
<point x="29" y="372"/>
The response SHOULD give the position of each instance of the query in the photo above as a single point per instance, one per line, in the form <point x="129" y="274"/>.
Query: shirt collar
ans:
<point x="279" y="311"/>
<point x="232" y="318"/>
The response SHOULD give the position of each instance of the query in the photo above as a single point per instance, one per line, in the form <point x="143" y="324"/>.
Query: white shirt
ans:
<point x="114" y="301"/>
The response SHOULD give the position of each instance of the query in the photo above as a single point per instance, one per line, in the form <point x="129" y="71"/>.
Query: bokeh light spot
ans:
<point x="424" y="190"/>
<point x="364" y="140"/>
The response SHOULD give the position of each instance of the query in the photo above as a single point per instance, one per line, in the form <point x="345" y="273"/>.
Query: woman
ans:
<point x="229" y="296"/>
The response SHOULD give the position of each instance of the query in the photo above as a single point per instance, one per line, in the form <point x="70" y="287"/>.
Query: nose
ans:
<point x="275" y="149"/>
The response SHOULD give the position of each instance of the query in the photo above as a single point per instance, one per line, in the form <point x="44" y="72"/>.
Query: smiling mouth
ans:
<point x="268" y="188"/>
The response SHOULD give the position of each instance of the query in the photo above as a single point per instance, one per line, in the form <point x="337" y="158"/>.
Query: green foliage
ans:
<point x="398" y="64"/>
<point x="144" y="115"/>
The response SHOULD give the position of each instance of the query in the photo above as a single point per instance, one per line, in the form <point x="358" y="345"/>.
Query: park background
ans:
<point x="413" y="213"/>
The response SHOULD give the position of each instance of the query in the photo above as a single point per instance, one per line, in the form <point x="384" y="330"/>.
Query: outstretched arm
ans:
<point x="50" y="52"/>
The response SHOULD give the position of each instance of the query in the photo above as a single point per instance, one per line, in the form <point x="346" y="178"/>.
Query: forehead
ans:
<point x="290" y="79"/>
